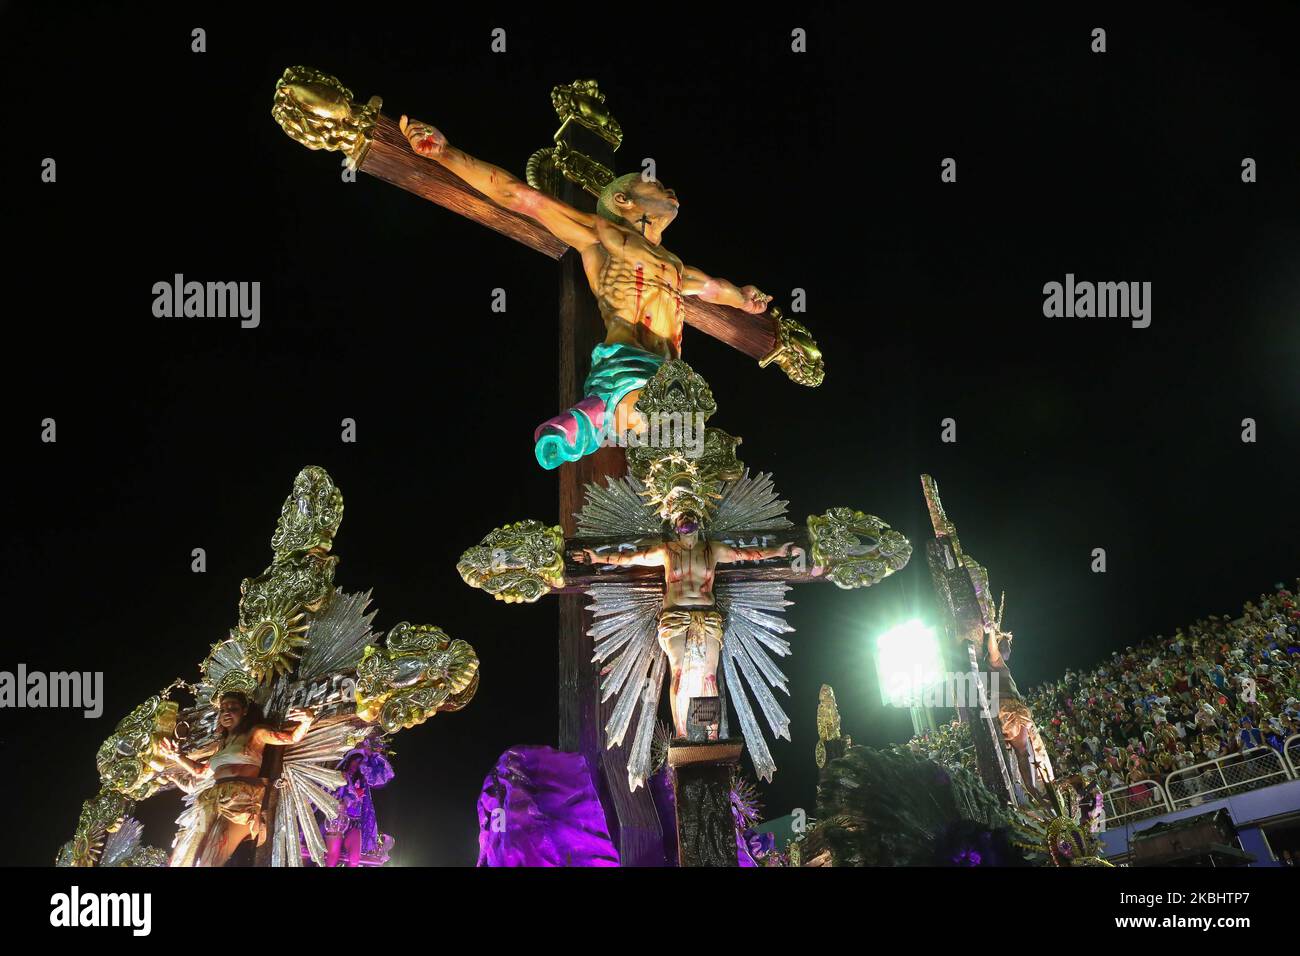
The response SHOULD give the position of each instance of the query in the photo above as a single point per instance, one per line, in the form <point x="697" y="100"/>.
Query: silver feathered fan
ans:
<point x="309" y="777"/>
<point x="337" y="637"/>
<point x="124" y="847"/>
<point x="308" y="780"/>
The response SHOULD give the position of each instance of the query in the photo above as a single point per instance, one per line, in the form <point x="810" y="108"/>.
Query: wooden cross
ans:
<point x="299" y="643"/>
<point x="317" y="111"/>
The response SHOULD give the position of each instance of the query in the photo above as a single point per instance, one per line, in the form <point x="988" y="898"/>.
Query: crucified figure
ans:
<point x="639" y="287"/>
<point x="690" y="624"/>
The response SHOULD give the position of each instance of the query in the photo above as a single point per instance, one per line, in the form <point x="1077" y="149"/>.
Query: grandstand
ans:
<point x="1177" y="727"/>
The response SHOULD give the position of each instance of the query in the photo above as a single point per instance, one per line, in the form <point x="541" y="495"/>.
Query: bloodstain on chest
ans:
<point x="640" y="288"/>
<point x="645" y="318"/>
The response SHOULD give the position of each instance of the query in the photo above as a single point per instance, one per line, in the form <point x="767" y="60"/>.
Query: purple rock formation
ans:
<point x="539" y="808"/>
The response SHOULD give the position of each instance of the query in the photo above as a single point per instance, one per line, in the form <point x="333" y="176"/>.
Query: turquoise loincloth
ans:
<point x="616" y="370"/>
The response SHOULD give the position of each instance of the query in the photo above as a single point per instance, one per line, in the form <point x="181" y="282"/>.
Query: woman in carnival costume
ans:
<point x="225" y="783"/>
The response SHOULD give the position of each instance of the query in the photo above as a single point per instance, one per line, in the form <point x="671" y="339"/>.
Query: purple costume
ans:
<point x="356" y="809"/>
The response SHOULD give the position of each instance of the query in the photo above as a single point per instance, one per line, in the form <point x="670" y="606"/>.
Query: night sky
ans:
<point x="818" y="171"/>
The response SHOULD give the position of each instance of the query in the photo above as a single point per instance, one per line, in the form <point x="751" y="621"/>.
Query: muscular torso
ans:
<point x="688" y="575"/>
<point x="638" y="288"/>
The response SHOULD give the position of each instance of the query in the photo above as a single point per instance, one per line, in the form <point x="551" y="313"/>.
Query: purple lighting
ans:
<point x="538" y="808"/>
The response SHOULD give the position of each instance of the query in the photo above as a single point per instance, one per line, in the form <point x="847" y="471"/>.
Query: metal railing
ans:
<point x="1135" y="801"/>
<point x="1291" y="754"/>
<point x="1224" y="776"/>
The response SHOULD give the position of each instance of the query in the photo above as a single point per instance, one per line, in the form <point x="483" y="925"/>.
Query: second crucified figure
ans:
<point x="639" y="286"/>
<point x="690" y="625"/>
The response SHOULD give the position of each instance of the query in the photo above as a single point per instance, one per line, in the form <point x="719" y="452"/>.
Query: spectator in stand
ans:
<point x="1250" y="735"/>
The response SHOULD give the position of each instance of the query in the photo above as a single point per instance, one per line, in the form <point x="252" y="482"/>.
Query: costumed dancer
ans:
<point x="354" y="831"/>
<point x="223" y="780"/>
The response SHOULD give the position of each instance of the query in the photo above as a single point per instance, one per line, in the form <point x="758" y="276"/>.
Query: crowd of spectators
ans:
<point x="1219" y="688"/>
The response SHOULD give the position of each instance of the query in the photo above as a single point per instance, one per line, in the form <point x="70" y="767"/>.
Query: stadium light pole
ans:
<point x="909" y="662"/>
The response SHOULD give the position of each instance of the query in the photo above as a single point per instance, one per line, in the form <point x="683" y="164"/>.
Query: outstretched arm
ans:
<point x="191" y="763"/>
<point x="723" y="554"/>
<point x="564" y="222"/>
<point x="721" y="292"/>
<point x="281" y="738"/>
<point x="652" y="557"/>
